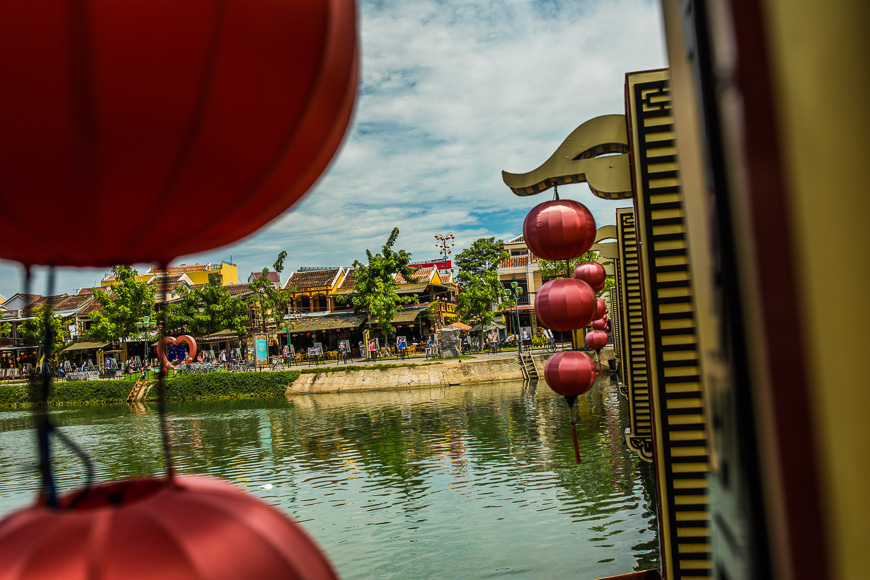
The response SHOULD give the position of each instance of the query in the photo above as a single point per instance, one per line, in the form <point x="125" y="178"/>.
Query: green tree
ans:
<point x="478" y="278"/>
<point x="123" y="305"/>
<point x="207" y="310"/>
<point x="5" y="329"/>
<point x="376" y="289"/>
<point x="565" y="268"/>
<point x="32" y="330"/>
<point x="268" y="301"/>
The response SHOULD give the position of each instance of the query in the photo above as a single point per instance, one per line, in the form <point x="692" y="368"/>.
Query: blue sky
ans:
<point x="451" y="94"/>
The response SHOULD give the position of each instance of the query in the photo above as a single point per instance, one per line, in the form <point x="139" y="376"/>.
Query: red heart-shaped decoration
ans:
<point x="161" y="348"/>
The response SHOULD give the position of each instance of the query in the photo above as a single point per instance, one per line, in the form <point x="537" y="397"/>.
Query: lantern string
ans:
<point x="40" y="410"/>
<point x="571" y="399"/>
<point x="161" y="385"/>
<point x="555" y="192"/>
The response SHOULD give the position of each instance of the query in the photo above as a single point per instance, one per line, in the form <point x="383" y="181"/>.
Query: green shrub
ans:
<point x="69" y="393"/>
<point x="226" y="385"/>
<point x="179" y="388"/>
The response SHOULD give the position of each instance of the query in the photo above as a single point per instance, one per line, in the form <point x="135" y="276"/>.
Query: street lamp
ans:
<point x="145" y="325"/>
<point x="515" y="291"/>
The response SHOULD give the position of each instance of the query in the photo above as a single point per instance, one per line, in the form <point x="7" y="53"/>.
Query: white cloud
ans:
<point x="452" y="93"/>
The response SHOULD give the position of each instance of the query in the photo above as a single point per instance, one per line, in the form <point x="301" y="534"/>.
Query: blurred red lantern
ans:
<point x="599" y="324"/>
<point x="190" y="527"/>
<point x="593" y="274"/>
<point x="570" y="373"/>
<point x="600" y="309"/>
<point x="565" y="304"/>
<point x="596" y="339"/>
<point x="180" y="126"/>
<point x="559" y="230"/>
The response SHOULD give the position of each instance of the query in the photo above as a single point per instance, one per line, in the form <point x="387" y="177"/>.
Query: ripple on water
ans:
<point x="466" y="482"/>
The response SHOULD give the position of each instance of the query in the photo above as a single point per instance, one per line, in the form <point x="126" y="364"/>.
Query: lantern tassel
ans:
<point x="571" y="400"/>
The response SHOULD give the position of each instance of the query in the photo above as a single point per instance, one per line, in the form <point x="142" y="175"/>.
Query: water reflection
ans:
<point x="462" y="482"/>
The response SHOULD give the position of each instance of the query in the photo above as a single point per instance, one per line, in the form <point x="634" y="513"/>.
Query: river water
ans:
<point x="463" y="482"/>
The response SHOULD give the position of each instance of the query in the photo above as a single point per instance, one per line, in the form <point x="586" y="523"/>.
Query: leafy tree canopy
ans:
<point x="207" y="310"/>
<point x="479" y="280"/>
<point x="125" y="304"/>
<point x="5" y="329"/>
<point x="375" y="283"/>
<point x="267" y="300"/>
<point x="565" y="268"/>
<point x="33" y="330"/>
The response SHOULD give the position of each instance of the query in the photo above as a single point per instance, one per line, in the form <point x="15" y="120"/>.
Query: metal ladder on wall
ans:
<point x="139" y="390"/>
<point x="528" y="366"/>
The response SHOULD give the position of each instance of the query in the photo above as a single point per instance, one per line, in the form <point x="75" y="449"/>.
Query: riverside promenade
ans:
<point x="483" y="367"/>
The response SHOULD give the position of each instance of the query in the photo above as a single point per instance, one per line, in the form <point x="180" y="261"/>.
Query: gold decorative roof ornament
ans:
<point x="596" y="152"/>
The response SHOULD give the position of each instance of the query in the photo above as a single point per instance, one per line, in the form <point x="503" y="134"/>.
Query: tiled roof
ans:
<point x="420" y="275"/>
<point x="59" y="302"/>
<point x="349" y="281"/>
<point x="236" y="289"/>
<point x="517" y="240"/>
<point x="181" y="269"/>
<point x="312" y="279"/>
<point x="271" y="275"/>
<point x="85" y="291"/>
<point x="30" y="297"/>
<point x="171" y="280"/>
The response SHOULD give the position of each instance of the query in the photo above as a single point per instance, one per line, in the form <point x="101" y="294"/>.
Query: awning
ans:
<point x="11" y="348"/>
<point x="411" y="288"/>
<point x="400" y="317"/>
<point x="326" y="323"/>
<point x="490" y="326"/>
<point x="221" y="336"/>
<point x="85" y="346"/>
<point x="459" y="325"/>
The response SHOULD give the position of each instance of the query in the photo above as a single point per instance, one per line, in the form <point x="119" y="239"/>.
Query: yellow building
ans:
<point x="226" y="272"/>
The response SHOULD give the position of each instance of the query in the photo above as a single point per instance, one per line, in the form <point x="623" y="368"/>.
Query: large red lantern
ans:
<point x="570" y="373"/>
<point x="593" y="274"/>
<point x="599" y="324"/>
<point x="600" y="309"/>
<point x="190" y="527"/>
<point x="159" y="129"/>
<point x="559" y="230"/>
<point x="565" y="304"/>
<point x="596" y="339"/>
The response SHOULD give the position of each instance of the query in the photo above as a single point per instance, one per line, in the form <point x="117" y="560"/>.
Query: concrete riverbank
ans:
<point x="499" y="368"/>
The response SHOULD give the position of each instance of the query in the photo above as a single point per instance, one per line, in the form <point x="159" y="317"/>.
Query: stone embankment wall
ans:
<point x="443" y="374"/>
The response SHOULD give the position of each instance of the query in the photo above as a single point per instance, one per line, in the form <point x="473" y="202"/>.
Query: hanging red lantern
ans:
<point x="600" y="309"/>
<point x="593" y="274"/>
<point x="191" y="527"/>
<point x="599" y="324"/>
<point x="559" y="230"/>
<point x="596" y="339"/>
<point x="180" y="126"/>
<point x="570" y="373"/>
<point x="565" y="304"/>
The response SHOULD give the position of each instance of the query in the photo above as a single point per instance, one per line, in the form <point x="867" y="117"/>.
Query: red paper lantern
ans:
<point x="596" y="339"/>
<point x="565" y="304"/>
<point x="159" y="129"/>
<point x="191" y="527"/>
<point x="570" y="373"/>
<point x="559" y="230"/>
<point x="593" y="274"/>
<point x="600" y="309"/>
<point x="599" y="324"/>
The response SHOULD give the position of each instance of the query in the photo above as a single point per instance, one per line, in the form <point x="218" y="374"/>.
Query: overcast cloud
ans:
<point x="452" y="93"/>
